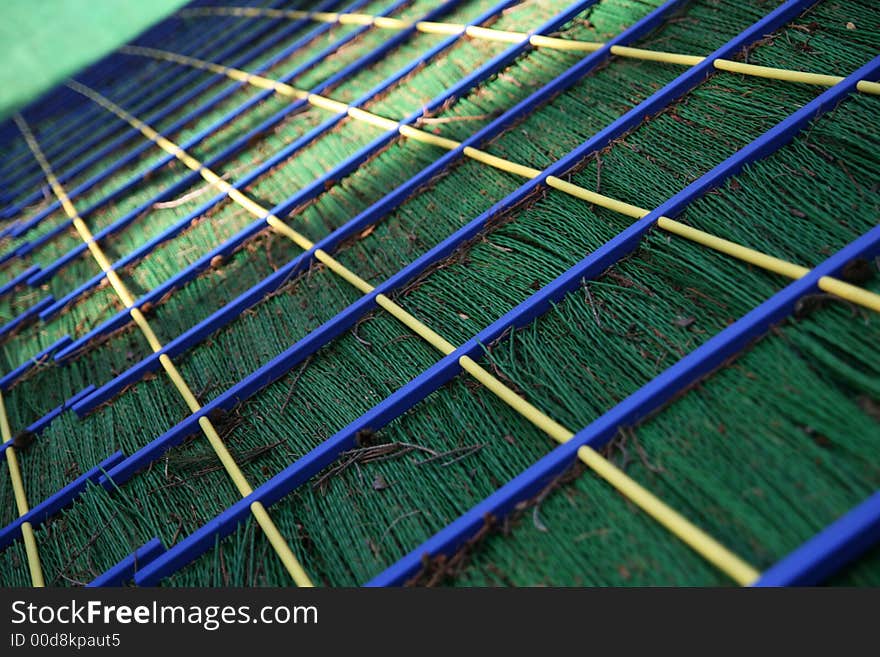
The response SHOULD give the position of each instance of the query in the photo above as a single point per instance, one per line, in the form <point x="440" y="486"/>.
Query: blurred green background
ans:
<point x="43" y="42"/>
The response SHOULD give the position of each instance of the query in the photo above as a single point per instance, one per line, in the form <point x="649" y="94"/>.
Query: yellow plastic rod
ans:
<point x="657" y="56"/>
<point x="568" y="45"/>
<point x="867" y="87"/>
<point x="27" y="531"/>
<point x="489" y="34"/>
<point x="448" y="29"/>
<point x="553" y="43"/>
<point x="802" y="77"/>
<point x="842" y="289"/>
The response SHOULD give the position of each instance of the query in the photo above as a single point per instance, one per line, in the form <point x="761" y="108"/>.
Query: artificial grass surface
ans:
<point x="43" y="43"/>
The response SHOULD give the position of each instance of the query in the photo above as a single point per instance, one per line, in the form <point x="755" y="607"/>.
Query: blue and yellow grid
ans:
<point x="81" y="115"/>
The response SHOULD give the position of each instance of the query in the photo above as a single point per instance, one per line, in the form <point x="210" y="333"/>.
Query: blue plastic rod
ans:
<point x="15" y="281"/>
<point x="26" y="315"/>
<point x="123" y="572"/>
<point x="840" y="543"/>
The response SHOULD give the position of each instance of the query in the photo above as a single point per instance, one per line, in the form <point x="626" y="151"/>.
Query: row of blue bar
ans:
<point x="843" y="540"/>
<point x="144" y="99"/>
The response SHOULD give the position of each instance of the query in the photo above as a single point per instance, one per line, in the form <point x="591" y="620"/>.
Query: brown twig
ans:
<point x="92" y="539"/>
<point x="369" y="454"/>
<point x="293" y="383"/>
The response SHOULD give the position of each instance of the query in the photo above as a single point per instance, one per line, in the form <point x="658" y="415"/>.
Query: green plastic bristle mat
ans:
<point x="762" y="454"/>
